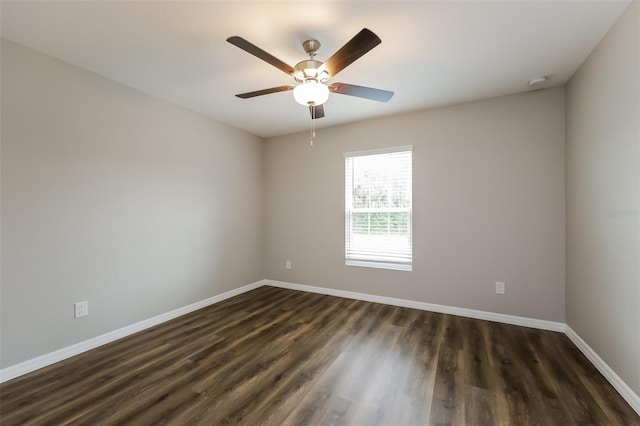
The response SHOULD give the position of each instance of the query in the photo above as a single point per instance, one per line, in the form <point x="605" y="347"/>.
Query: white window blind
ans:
<point x="378" y="192"/>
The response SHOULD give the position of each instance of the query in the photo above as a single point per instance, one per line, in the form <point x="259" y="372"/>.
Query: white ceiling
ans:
<point x="433" y="53"/>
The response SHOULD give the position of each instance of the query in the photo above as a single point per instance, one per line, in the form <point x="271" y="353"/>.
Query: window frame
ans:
<point x="374" y="261"/>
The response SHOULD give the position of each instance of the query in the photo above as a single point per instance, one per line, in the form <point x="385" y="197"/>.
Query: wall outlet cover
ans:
<point x="81" y="309"/>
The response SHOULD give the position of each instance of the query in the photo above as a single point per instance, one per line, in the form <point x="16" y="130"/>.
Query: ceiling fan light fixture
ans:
<point x="311" y="92"/>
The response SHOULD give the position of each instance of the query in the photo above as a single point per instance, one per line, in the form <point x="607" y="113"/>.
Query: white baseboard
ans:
<point x="431" y="307"/>
<point x="28" y="366"/>
<point x="623" y="389"/>
<point x="42" y="361"/>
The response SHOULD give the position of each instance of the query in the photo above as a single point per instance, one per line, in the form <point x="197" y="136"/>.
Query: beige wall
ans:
<point x="115" y="197"/>
<point x="488" y="205"/>
<point x="603" y="199"/>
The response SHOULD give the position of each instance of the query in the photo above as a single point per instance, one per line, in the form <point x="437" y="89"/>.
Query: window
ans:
<point x="378" y="208"/>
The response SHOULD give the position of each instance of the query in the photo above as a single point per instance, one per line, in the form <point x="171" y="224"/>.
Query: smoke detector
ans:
<point x="538" y="81"/>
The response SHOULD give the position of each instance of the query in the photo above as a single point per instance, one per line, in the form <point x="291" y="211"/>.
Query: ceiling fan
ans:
<point x="313" y="76"/>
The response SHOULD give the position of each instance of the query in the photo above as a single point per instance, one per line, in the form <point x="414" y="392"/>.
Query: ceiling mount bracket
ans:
<point x="311" y="47"/>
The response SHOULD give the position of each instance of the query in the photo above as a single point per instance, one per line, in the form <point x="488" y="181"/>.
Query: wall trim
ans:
<point x="431" y="307"/>
<point x="33" y="364"/>
<point x="623" y="389"/>
<point x="28" y="366"/>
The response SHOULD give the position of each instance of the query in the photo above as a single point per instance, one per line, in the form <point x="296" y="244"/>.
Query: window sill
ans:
<point x="379" y="265"/>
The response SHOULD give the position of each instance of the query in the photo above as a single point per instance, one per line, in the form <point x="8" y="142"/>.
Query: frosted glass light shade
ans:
<point x="311" y="93"/>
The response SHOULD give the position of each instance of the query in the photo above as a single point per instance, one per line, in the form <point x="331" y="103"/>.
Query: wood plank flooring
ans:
<point x="274" y="356"/>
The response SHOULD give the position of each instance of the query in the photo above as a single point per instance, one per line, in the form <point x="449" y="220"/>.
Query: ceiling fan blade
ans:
<point x="264" y="92"/>
<point x="318" y="113"/>
<point x="363" y="42"/>
<point x="361" y="92"/>
<point x="259" y="53"/>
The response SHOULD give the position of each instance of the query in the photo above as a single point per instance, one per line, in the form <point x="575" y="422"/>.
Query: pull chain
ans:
<point x="313" y="129"/>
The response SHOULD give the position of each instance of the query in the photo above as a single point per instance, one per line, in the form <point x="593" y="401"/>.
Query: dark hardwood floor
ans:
<point x="275" y="356"/>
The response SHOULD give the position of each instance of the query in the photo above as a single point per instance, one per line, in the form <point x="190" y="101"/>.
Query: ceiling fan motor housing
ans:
<point x="310" y="69"/>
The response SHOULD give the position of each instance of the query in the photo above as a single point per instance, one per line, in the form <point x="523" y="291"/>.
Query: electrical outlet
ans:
<point x="81" y="309"/>
<point x="500" y="287"/>
<point x="287" y="264"/>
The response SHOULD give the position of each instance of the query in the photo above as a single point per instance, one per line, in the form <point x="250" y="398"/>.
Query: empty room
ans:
<point x="320" y="212"/>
